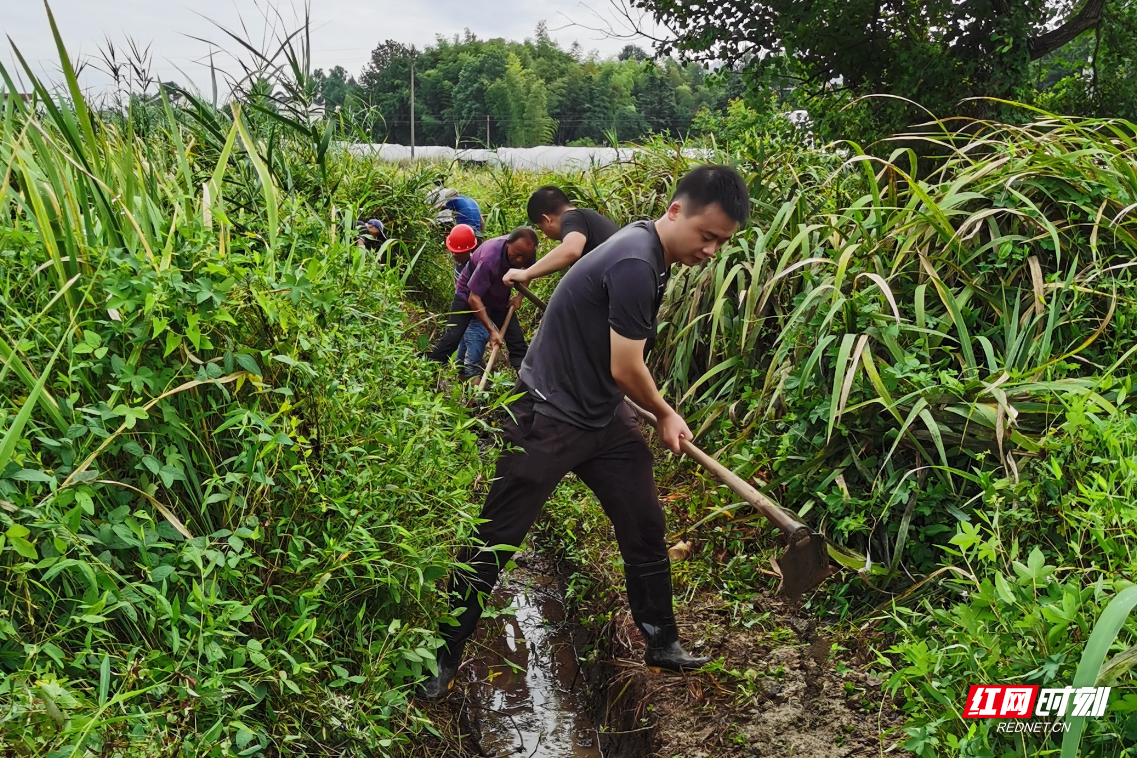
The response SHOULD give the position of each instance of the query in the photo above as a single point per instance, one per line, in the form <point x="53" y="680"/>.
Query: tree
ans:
<point x="518" y="99"/>
<point x="386" y="87"/>
<point x="334" y="88"/>
<point x="657" y="103"/>
<point x="470" y="102"/>
<point x="1097" y="74"/>
<point x="632" y="53"/>
<point x="936" y="52"/>
<point x="532" y="92"/>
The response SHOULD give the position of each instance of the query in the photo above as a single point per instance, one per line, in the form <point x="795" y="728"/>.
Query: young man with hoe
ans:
<point x="579" y="230"/>
<point x="587" y="356"/>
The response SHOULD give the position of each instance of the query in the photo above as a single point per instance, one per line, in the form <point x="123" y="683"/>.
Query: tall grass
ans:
<point x="930" y="358"/>
<point x="921" y="319"/>
<point x="227" y="487"/>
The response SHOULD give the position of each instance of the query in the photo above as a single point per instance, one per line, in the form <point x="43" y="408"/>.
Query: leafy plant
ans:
<point x="223" y="472"/>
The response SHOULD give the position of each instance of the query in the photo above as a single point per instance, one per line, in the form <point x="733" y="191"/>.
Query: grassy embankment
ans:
<point x="928" y="357"/>
<point x="227" y="484"/>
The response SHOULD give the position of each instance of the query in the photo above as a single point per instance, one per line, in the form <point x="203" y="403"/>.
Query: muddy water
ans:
<point x="529" y="688"/>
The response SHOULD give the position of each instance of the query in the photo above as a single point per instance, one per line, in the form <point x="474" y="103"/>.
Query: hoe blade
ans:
<point x="804" y="565"/>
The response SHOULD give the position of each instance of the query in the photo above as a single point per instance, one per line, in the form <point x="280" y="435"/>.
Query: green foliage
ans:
<point x="926" y="55"/>
<point x="880" y="314"/>
<point x="1094" y="75"/>
<point x="529" y="93"/>
<point x="227" y="486"/>
<point x="740" y="127"/>
<point x="1026" y="613"/>
<point x="931" y="362"/>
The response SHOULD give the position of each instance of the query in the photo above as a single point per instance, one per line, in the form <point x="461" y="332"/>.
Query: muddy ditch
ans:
<point x="540" y="681"/>
<point x="545" y="682"/>
<point x="523" y="689"/>
<point x="536" y="683"/>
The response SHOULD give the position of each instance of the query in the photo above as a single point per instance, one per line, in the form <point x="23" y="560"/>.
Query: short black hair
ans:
<point x="524" y="233"/>
<point x="520" y="233"/>
<point x="546" y="201"/>
<point x="704" y="185"/>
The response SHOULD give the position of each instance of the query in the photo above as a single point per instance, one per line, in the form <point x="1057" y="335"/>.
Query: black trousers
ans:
<point x="460" y="315"/>
<point x="616" y="464"/>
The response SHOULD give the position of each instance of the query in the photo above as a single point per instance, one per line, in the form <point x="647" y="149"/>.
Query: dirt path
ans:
<point x="782" y="683"/>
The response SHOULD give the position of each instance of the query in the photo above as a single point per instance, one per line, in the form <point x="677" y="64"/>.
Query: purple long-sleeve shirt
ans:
<point x="483" y="274"/>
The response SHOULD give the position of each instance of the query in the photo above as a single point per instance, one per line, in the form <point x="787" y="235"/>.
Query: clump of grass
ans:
<point x="227" y="486"/>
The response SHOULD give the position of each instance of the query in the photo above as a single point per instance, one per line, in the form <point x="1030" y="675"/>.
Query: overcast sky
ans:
<point x="343" y="31"/>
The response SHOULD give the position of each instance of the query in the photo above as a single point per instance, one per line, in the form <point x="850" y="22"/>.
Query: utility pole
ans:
<point x="412" y="104"/>
<point x="487" y="131"/>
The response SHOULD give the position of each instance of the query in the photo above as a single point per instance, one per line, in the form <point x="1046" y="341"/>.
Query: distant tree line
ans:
<point x="745" y="63"/>
<point x="473" y="92"/>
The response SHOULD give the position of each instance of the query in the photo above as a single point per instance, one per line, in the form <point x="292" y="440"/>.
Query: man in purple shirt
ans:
<point x="480" y="293"/>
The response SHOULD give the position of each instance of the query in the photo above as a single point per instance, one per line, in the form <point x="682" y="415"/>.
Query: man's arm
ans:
<point x="560" y="257"/>
<point x="479" y="309"/>
<point x="633" y="377"/>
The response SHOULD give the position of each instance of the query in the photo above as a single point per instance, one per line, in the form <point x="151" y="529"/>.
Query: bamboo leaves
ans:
<point x="268" y="189"/>
<point x="16" y="428"/>
<point x="934" y="284"/>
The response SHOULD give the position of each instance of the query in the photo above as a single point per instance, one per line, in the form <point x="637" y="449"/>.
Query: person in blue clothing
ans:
<point x="466" y="211"/>
<point x="462" y="209"/>
<point x="457" y="210"/>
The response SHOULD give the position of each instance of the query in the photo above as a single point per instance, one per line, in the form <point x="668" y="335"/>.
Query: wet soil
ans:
<point x="789" y="689"/>
<point x="525" y="677"/>
<point x="786" y="693"/>
<point x="520" y="690"/>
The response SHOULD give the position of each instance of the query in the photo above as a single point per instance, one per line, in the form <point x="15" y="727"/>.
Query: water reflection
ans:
<point x="529" y="684"/>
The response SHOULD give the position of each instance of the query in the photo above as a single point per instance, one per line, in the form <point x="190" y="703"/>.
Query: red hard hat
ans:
<point x="461" y="239"/>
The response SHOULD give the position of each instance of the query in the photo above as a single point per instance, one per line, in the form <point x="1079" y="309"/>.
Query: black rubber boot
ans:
<point x="649" y="595"/>
<point x="463" y="591"/>
<point x="438" y="686"/>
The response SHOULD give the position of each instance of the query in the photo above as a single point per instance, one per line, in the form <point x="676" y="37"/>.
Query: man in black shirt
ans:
<point x="589" y="354"/>
<point x="579" y="230"/>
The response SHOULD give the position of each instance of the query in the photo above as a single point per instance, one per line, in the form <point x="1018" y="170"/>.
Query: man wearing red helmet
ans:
<point x="480" y="292"/>
<point x="461" y="242"/>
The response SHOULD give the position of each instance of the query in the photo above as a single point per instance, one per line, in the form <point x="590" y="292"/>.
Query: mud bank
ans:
<point x="793" y="690"/>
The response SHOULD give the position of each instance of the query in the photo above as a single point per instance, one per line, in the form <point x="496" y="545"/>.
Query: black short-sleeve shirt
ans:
<point x="569" y="365"/>
<point x="595" y="227"/>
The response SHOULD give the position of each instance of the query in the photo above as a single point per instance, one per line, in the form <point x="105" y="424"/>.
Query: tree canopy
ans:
<point x="935" y="52"/>
<point x="470" y="91"/>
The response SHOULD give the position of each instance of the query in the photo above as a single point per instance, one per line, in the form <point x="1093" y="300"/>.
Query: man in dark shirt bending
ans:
<point x="589" y="354"/>
<point x="579" y="230"/>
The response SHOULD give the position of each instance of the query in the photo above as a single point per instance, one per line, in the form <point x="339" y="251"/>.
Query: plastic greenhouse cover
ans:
<point x="531" y="158"/>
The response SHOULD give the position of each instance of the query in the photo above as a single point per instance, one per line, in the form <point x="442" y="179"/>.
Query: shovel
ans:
<point x="805" y="563"/>
<point x="493" y="353"/>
